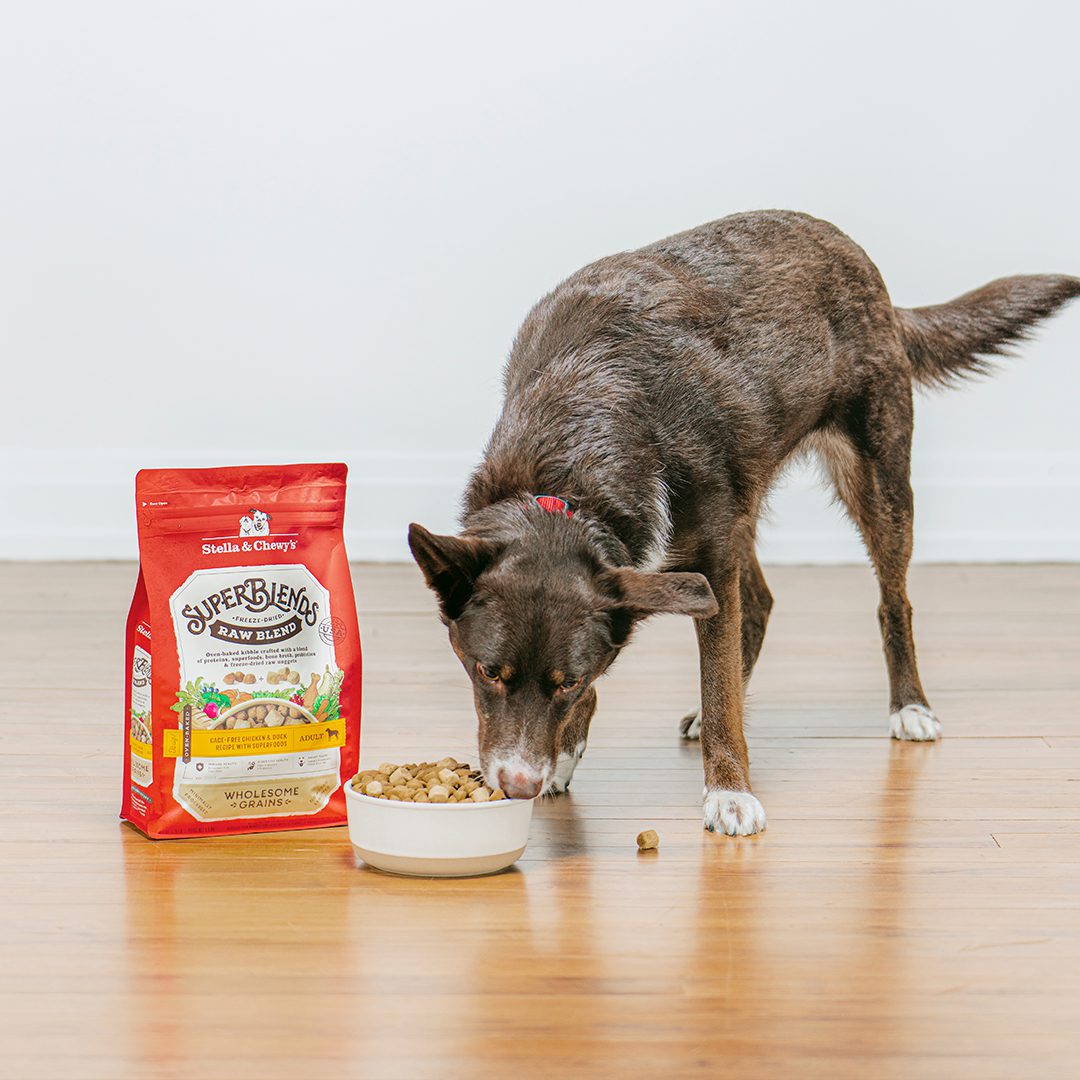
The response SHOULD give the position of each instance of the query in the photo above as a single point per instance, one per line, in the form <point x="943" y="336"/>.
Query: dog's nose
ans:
<point x="518" y="784"/>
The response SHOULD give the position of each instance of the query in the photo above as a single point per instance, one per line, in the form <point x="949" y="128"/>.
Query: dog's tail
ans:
<point x="949" y="341"/>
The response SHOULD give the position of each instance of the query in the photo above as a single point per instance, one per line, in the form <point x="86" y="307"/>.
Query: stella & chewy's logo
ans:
<point x="251" y="535"/>
<point x="245" y="601"/>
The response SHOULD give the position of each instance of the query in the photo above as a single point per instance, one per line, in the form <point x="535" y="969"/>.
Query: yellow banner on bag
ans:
<point x="141" y="749"/>
<point x="291" y="739"/>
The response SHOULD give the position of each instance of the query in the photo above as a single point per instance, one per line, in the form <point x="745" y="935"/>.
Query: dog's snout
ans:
<point x="519" y="783"/>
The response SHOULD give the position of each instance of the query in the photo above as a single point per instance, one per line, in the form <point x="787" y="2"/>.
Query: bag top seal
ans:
<point x="201" y="486"/>
<point x="172" y="500"/>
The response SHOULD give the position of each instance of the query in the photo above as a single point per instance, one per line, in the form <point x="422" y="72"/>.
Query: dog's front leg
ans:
<point x="729" y="806"/>
<point x="571" y="740"/>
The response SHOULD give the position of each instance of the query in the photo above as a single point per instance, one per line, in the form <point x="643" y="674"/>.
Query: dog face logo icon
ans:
<point x="255" y="523"/>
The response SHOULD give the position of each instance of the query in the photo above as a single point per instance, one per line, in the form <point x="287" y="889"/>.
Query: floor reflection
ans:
<point x="222" y="945"/>
<point x="768" y="926"/>
<point x="287" y="939"/>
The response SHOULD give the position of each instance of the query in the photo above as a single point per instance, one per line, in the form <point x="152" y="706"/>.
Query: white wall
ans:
<point x="251" y="231"/>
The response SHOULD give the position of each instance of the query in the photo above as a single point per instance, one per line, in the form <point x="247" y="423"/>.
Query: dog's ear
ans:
<point x="636" y="595"/>
<point x="451" y="565"/>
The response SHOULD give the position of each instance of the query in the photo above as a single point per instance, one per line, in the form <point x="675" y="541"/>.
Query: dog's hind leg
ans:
<point x="869" y="458"/>
<point x="690" y="725"/>
<point x="572" y="738"/>
<point x="756" y="602"/>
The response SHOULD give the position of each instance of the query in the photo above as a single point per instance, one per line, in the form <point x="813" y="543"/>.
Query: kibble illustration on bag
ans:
<point x="243" y="652"/>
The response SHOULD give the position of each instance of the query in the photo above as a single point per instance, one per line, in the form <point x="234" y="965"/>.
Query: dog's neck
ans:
<point x="573" y="426"/>
<point x="616" y="535"/>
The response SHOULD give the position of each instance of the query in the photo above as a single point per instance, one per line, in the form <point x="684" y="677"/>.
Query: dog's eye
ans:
<point x="570" y="683"/>
<point x="485" y="671"/>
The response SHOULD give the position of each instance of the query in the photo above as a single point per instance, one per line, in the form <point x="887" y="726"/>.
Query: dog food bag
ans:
<point x="242" y="666"/>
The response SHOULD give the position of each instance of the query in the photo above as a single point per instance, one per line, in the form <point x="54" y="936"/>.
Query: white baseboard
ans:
<point x="977" y="508"/>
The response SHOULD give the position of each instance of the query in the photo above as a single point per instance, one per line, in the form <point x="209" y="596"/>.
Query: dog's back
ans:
<point x="710" y="356"/>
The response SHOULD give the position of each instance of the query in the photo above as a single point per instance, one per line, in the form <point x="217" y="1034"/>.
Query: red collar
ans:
<point x="553" y="505"/>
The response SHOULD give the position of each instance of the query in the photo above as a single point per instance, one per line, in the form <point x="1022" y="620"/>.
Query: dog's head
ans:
<point x="535" y="620"/>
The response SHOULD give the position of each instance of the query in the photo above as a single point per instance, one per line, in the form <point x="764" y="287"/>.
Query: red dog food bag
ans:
<point x="243" y="652"/>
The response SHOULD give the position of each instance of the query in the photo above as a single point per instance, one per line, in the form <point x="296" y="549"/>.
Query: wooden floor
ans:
<point x="912" y="912"/>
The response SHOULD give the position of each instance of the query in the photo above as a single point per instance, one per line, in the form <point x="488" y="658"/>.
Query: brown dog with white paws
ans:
<point x="651" y="400"/>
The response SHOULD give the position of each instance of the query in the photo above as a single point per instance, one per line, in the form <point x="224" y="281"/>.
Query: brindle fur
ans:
<point x="660" y="392"/>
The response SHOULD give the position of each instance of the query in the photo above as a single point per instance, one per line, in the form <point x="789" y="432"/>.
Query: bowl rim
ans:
<point x="352" y="793"/>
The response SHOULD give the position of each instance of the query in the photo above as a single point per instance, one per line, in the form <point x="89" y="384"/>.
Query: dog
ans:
<point x="650" y="402"/>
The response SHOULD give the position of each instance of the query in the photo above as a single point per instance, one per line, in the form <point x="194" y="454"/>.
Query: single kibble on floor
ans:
<point x="649" y="840"/>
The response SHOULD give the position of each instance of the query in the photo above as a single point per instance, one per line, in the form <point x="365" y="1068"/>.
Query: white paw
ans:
<point x="737" y="813"/>
<point x="564" y="770"/>
<point x="690" y="725"/>
<point x="915" y="722"/>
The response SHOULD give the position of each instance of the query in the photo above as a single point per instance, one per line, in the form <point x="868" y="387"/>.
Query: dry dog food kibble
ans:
<point x="649" y="840"/>
<point x="446" y="781"/>
<point x="239" y="677"/>
<point x="284" y="675"/>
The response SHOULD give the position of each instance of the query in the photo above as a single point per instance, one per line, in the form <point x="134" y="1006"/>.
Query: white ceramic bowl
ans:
<point x="437" y="839"/>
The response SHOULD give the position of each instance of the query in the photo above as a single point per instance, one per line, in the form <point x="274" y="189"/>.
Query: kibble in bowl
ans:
<point x="434" y="819"/>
